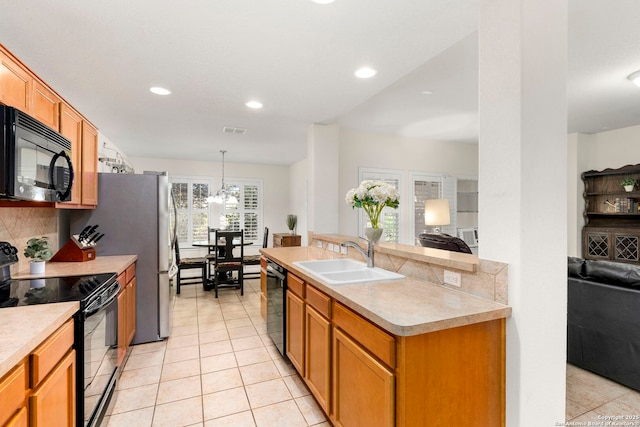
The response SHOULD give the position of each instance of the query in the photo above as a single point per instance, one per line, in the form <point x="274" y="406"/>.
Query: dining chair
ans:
<point x="189" y="264"/>
<point x="255" y="259"/>
<point x="229" y="249"/>
<point x="211" y="251"/>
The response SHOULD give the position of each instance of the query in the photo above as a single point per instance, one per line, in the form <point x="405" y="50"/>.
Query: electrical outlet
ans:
<point x="451" y="278"/>
<point x="336" y="249"/>
<point x="330" y="247"/>
<point x="319" y="244"/>
<point x="344" y="250"/>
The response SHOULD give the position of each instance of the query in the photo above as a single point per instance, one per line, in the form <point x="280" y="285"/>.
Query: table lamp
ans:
<point x="436" y="213"/>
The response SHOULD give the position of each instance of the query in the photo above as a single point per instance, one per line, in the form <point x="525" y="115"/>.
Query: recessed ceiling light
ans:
<point x="160" y="90"/>
<point x="254" y="104"/>
<point x="426" y="92"/>
<point x="365" y="72"/>
<point x="323" y="1"/>
<point x="635" y="78"/>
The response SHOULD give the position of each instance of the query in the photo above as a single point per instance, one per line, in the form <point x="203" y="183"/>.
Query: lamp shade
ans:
<point x="436" y="212"/>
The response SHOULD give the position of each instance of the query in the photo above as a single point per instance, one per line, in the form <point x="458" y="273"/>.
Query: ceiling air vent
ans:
<point x="230" y="129"/>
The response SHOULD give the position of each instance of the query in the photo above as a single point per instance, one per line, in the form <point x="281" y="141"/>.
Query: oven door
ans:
<point x="99" y="367"/>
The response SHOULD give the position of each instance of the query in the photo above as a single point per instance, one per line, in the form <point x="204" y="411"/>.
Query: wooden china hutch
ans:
<point x="611" y="215"/>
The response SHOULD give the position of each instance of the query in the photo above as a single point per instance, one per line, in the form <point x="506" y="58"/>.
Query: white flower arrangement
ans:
<point x="373" y="196"/>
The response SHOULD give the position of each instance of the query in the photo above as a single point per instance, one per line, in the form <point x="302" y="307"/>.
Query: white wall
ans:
<point x="299" y="196"/>
<point x="385" y="151"/>
<point x="275" y="183"/>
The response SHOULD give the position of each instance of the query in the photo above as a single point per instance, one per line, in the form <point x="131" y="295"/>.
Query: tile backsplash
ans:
<point x="17" y="225"/>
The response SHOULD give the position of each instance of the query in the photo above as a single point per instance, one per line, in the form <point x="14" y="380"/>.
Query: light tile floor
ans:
<point x="218" y="368"/>
<point x="590" y="397"/>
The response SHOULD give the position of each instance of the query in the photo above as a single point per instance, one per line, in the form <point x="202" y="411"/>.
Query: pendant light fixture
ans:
<point x="225" y="193"/>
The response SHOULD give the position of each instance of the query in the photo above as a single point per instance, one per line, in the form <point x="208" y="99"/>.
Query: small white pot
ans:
<point x="36" y="267"/>
<point x="628" y="188"/>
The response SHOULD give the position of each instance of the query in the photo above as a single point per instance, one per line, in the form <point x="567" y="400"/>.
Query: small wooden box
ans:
<point x="281" y="240"/>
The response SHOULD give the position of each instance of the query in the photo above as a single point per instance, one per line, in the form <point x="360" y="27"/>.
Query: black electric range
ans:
<point x="95" y="325"/>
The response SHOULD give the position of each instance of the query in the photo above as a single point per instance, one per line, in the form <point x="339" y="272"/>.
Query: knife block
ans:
<point x="73" y="252"/>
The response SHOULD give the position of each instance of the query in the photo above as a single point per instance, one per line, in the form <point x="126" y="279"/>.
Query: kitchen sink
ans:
<point x="344" y="271"/>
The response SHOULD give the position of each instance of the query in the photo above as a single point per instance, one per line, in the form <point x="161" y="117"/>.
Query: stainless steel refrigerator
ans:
<point x="137" y="216"/>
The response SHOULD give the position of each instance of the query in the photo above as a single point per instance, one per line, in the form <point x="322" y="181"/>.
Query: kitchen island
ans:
<point x="403" y="352"/>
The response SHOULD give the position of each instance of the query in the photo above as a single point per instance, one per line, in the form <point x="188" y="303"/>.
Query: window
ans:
<point x="390" y="217"/>
<point x="192" y="208"/>
<point x="247" y="213"/>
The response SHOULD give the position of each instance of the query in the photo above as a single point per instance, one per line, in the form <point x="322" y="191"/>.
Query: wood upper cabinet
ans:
<point x="84" y="156"/>
<point x="16" y="83"/>
<point x="46" y="105"/>
<point x="71" y="128"/>
<point x="89" y="180"/>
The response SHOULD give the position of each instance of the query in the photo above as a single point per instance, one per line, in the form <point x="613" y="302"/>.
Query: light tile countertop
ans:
<point x="102" y="264"/>
<point x="403" y="307"/>
<point x="24" y="328"/>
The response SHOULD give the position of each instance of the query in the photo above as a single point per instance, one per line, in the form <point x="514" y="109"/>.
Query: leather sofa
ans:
<point x="603" y="319"/>
<point x="443" y="241"/>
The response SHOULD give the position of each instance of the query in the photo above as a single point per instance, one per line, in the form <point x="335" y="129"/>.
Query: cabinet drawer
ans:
<point x="13" y="391"/>
<point x="378" y="342"/>
<point x="122" y="279"/>
<point x="319" y="301"/>
<point x="48" y="354"/>
<point x="295" y="285"/>
<point x="263" y="262"/>
<point x="130" y="273"/>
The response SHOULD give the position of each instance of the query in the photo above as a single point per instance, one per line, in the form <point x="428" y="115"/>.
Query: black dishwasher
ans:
<point x="276" y="305"/>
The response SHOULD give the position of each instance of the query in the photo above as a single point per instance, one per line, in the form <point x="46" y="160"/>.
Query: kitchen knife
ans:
<point x="90" y="238"/>
<point x="83" y="233"/>
<point x="89" y="233"/>
<point x="95" y="240"/>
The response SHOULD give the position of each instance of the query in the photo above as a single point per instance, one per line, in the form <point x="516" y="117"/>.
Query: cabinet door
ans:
<point x="21" y="419"/>
<point x="131" y="310"/>
<point x="295" y="331"/>
<point x="13" y="392"/>
<point x="71" y="128"/>
<point x="363" y="388"/>
<point x="263" y="293"/>
<point x="89" y="164"/>
<point x="318" y="356"/>
<point x="53" y="403"/>
<point x="122" y="325"/>
<point x="46" y="105"/>
<point x="15" y="84"/>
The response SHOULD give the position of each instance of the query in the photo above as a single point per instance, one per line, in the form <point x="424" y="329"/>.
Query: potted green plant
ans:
<point x="292" y="221"/>
<point x="629" y="184"/>
<point x="39" y="250"/>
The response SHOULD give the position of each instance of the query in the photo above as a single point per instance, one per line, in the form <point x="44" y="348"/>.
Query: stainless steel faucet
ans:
<point x="368" y="255"/>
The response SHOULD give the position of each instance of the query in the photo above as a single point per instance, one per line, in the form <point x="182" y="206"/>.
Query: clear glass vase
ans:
<point x="373" y="234"/>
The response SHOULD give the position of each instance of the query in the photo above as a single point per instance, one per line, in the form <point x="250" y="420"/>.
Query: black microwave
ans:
<point x="36" y="163"/>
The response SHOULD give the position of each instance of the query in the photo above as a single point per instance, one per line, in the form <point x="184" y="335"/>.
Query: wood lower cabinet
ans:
<point x="295" y="331"/>
<point x="126" y="311"/>
<point x="318" y="356"/>
<point x="52" y="403"/>
<point x="362" y="375"/>
<point x="263" y="287"/>
<point x="41" y="389"/>
<point x="363" y="388"/>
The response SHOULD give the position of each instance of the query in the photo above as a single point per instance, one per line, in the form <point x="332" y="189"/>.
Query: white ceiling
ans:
<point x="298" y="58"/>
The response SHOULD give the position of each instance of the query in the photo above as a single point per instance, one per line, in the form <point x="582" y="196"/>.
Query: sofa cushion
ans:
<point x="614" y="273"/>
<point x="576" y="267"/>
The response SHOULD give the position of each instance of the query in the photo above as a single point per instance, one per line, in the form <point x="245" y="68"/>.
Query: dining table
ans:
<point x="223" y="277"/>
